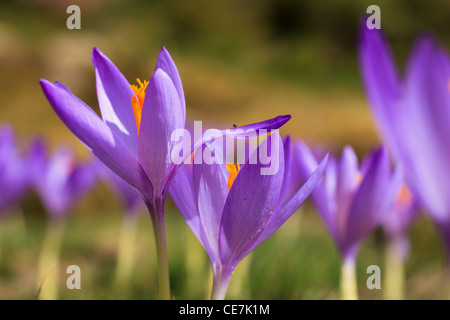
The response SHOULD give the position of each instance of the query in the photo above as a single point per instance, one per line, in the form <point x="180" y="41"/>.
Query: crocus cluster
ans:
<point x="232" y="207"/>
<point x="134" y="136"/>
<point x="59" y="180"/>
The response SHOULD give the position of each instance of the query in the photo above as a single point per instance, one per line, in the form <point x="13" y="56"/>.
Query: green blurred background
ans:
<point x="240" y="61"/>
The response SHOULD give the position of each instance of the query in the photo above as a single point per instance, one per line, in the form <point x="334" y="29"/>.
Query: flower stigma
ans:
<point x="359" y="178"/>
<point x="234" y="170"/>
<point x="403" y="195"/>
<point x="137" y="101"/>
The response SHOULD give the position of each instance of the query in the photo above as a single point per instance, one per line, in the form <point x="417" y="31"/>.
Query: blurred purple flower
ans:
<point x="351" y="199"/>
<point x="14" y="174"/>
<point x="232" y="209"/>
<point x="129" y="197"/>
<point x="413" y="117"/>
<point x="133" y="137"/>
<point x="396" y="224"/>
<point x="398" y="220"/>
<point x="59" y="179"/>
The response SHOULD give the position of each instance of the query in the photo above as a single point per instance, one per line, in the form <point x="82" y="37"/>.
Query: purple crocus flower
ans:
<point x="396" y="224"/>
<point x="59" y="179"/>
<point x="398" y="220"/>
<point x="14" y="175"/>
<point x="232" y="209"/>
<point x="133" y="137"/>
<point x="351" y="199"/>
<point x="413" y="116"/>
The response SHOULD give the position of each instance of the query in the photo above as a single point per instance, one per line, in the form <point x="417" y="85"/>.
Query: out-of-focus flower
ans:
<point x="396" y="224"/>
<point x="14" y="174"/>
<point x="399" y="218"/>
<point x="134" y="136"/>
<point x="351" y="199"/>
<point x="232" y="209"/>
<point x="60" y="180"/>
<point x="129" y="197"/>
<point x="413" y="116"/>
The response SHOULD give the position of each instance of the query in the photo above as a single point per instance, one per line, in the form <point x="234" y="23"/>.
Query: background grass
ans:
<point x="299" y="261"/>
<point x="241" y="61"/>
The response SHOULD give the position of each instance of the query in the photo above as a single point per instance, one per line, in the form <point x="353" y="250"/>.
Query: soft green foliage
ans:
<point x="298" y="262"/>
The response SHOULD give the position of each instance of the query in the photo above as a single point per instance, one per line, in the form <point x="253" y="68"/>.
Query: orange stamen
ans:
<point x="137" y="101"/>
<point x="403" y="195"/>
<point x="359" y="177"/>
<point x="234" y="170"/>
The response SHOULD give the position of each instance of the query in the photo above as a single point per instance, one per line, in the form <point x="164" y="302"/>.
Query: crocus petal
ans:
<point x="324" y="197"/>
<point x="114" y="98"/>
<point x="428" y="85"/>
<point x="130" y="197"/>
<point x="160" y="117"/>
<point x="82" y="179"/>
<point x="36" y="160"/>
<point x="96" y="135"/>
<point x="289" y="207"/>
<point x="403" y="212"/>
<point x="288" y="179"/>
<point x="182" y="193"/>
<point x="427" y="156"/>
<point x="274" y="123"/>
<point x="244" y="132"/>
<point x="381" y="83"/>
<point x="324" y="194"/>
<point x="7" y="142"/>
<point x="373" y="198"/>
<point x="211" y="191"/>
<point x="166" y="63"/>
<point x="250" y="204"/>
<point x="14" y="174"/>
<point x="59" y="167"/>
<point x="347" y="182"/>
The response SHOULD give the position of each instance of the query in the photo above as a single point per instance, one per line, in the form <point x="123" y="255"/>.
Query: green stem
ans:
<point x="220" y="284"/>
<point x="349" y="289"/>
<point x="395" y="271"/>
<point x="156" y="208"/>
<point x="125" y="252"/>
<point x="48" y="278"/>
